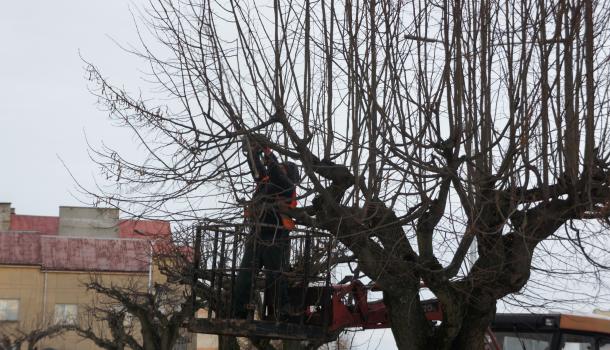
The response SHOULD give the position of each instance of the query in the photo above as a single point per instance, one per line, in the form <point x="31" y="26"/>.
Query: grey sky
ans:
<point x="45" y="106"/>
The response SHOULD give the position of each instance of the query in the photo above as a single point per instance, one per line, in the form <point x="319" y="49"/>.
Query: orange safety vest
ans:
<point x="287" y="222"/>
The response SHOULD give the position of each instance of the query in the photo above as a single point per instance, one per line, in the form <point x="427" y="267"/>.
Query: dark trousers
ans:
<point x="270" y="252"/>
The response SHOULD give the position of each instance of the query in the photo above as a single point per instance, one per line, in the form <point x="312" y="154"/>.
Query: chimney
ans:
<point x="88" y="222"/>
<point x="5" y="216"/>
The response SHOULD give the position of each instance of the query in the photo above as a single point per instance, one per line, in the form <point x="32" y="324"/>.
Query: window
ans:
<point x="66" y="313"/>
<point x="576" y="342"/>
<point x="519" y="341"/>
<point x="9" y="309"/>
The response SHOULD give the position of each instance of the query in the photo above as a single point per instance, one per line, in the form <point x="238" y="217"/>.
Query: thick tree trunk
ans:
<point x="148" y="342"/>
<point x="410" y="328"/>
<point x="474" y="325"/>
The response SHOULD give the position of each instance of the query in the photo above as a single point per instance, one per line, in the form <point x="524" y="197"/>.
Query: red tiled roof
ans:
<point x="128" y="228"/>
<point x="167" y="249"/>
<point x="73" y="253"/>
<point x="42" y="246"/>
<point x="144" y="229"/>
<point x="88" y="254"/>
<point x="17" y="248"/>
<point x="47" y="225"/>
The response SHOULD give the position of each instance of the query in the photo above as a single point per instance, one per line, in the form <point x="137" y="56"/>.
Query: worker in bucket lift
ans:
<point x="270" y="226"/>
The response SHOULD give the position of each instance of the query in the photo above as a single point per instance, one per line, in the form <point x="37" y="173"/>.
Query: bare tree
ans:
<point x="132" y="317"/>
<point x="109" y="326"/>
<point x="424" y="130"/>
<point x="16" y="337"/>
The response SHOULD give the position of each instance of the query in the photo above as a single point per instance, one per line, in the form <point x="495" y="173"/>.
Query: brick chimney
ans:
<point x="88" y="222"/>
<point x="5" y="216"/>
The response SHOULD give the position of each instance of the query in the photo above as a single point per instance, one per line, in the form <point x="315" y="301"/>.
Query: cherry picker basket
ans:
<point x="219" y="248"/>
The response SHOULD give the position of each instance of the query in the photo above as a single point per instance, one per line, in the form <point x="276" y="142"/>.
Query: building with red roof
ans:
<point x="79" y="239"/>
<point x="44" y="261"/>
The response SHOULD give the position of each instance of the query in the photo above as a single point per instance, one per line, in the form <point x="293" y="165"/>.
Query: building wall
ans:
<point x="37" y="299"/>
<point x="88" y="222"/>
<point x="25" y="284"/>
<point x="45" y="261"/>
<point x="5" y="216"/>
<point x="38" y="292"/>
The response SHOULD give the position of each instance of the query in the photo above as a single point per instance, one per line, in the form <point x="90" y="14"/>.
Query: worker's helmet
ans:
<point x="292" y="170"/>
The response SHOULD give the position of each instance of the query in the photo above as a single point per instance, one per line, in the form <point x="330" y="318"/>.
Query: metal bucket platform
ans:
<point x="260" y="329"/>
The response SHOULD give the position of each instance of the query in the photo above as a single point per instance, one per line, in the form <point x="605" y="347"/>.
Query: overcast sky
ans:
<point x="45" y="107"/>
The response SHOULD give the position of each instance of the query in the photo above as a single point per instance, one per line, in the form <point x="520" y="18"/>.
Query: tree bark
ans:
<point x="474" y="325"/>
<point x="410" y="328"/>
